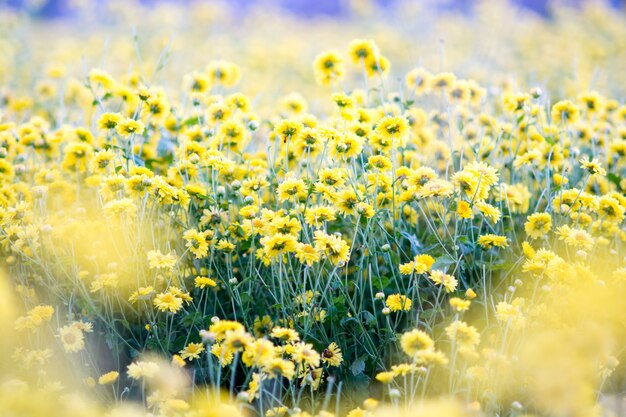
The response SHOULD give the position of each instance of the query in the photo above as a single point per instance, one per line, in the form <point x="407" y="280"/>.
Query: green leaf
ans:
<point x="443" y="262"/>
<point x="194" y="319"/>
<point x="192" y="121"/>
<point x="615" y="179"/>
<point x="357" y="367"/>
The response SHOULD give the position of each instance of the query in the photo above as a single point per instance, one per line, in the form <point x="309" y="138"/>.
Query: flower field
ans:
<point x="210" y="210"/>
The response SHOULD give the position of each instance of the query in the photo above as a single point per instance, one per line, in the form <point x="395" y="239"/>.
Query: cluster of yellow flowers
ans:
<point x="352" y="249"/>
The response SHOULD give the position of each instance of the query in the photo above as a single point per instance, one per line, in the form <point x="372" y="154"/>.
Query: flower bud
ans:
<point x="536" y="92"/>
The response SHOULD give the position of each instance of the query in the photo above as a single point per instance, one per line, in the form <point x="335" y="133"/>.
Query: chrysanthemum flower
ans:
<point x="490" y="240"/>
<point x="329" y="68"/>
<point x="192" y="351"/>
<point x="108" y="378"/>
<point x="538" y="225"/>
<point x="415" y="341"/>
<point x="72" y="338"/>
<point x="398" y="302"/>
<point x="168" y="302"/>
<point x="449" y="282"/>
<point x="332" y="355"/>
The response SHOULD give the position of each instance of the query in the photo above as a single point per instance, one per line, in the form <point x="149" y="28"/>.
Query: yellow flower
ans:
<point x="225" y="246"/>
<point x="279" y="368"/>
<point x="197" y="242"/>
<point x="403" y="369"/>
<point x="142" y="369"/>
<point x="385" y="377"/>
<point x="288" y="130"/>
<point x="366" y="210"/>
<point x="516" y="103"/>
<point x="361" y="50"/>
<point x="345" y="145"/>
<point x="490" y="240"/>
<point x="483" y="172"/>
<point x="436" y="188"/>
<point x="203" y="282"/>
<point x="415" y="341"/>
<point x="335" y="248"/>
<point x="370" y="404"/>
<point x="332" y="355"/>
<point x="258" y="352"/>
<point x="129" y="127"/>
<point x="407" y="269"/>
<point x="564" y="111"/>
<point x="168" y="302"/>
<point x="223" y="72"/>
<point x="418" y="80"/>
<point x="449" y="282"/>
<point x="102" y="78"/>
<point x="577" y="238"/>
<point x="108" y="378"/>
<point x="291" y="189"/>
<point x="329" y="68"/>
<point x="222" y="353"/>
<point x="611" y="209"/>
<point x="443" y="80"/>
<point x="538" y="225"/>
<point x="157" y="260"/>
<point x="279" y="243"/>
<point x="285" y="334"/>
<point x="431" y="357"/>
<point x="470" y="294"/>
<point x="511" y="313"/>
<point x="307" y="254"/>
<point x="178" y="361"/>
<point x="422" y="263"/>
<point x="377" y="64"/>
<point x="397" y="302"/>
<point x="192" y="351"/>
<point x="393" y="127"/>
<point x="594" y="167"/>
<point x="221" y="327"/>
<point x="142" y="293"/>
<point x="109" y="120"/>
<point x="123" y="207"/>
<point x="464" y="210"/>
<point x="35" y="317"/>
<point x="464" y="334"/>
<point x="294" y="103"/>
<point x="237" y="340"/>
<point x="72" y="338"/>
<point x="459" y="304"/>
<point x="304" y="353"/>
<point x="490" y="212"/>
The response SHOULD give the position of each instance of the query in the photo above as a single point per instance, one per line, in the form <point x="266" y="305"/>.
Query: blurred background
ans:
<point x="562" y="46"/>
<point x="64" y="8"/>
